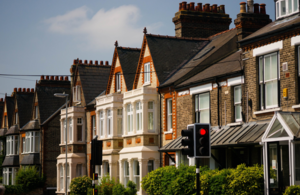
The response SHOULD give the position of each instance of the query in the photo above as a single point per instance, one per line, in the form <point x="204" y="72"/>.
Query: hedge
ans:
<point x="292" y="190"/>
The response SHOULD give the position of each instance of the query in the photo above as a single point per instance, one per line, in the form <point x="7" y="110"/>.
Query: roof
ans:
<point x="93" y="102"/>
<point x="47" y="102"/>
<point x="1" y="112"/>
<point x="13" y="130"/>
<point x="31" y="125"/>
<point x="129" y="59"/>
<point x="54" y="114"/>
<point x="11" y="161"/>
<point x="10" y="105"/>
<point x="219" y="47"/>
<point x="171" y="53"/>
<point x="273" y="27"/>
<point x="31" y="159"/>
<point x="24" y="103"/>
<point x="93" y="80"/>
<point x="226" y="66"/>
<point x="3" y="132"/>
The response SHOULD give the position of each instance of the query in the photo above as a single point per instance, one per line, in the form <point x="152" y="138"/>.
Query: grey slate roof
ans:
<point x="171" y="53"/>
<point x="93" y="80"/>
<point x="220" y="46"/>
<point x="10" y="109"/>
<point x="228" y="65"/>
<point x="24" y="103"/>
<point x="276" y="26"/>
<point x="13" y="130"/>
<point x="3" y="132"/>
<point x="31" y="125"/>
<point x="11" y="161"/>
<point x="1" y="112"/>
<point x="31" y="159"/>
<point x="129" y="59"/>
<point x="48" y="104"/>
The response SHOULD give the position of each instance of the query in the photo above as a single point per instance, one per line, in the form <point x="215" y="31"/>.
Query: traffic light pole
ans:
<point x="198" y="175"/>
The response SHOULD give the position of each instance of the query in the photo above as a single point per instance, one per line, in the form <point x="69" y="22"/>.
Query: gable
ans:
<point x="116" y="68"/>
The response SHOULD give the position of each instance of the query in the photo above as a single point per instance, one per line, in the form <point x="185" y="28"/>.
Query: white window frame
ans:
<point x="80" y="123"/>
<point x="237" y="102"/>
<point x="118" y="81"/>
<point x="139" y="116"/>
<point x="68" y="176"/>
<point x="70" y="130"/>
<point x="11" y="148"/>
<point x="61" y="177"/>
<point x="126" y="170"/>
<point x="7" y="171"/>
<point x="129" y="118"/>
<point x="109" y="122"/>
<point x="136" y="174"/>
<point x="93" y="125"/>
<point x="198" y="110"/>
<point x="289" y="4"/>
<point x="24" y="144"/>
<point x="101" y="123"/>
<point x="147" y="73"/>
<point x="30" y="139"/>
<point x="64" y="131"/>
<point x="151" y="111"/>
<point x="120" y="121"/>
<point x="77" y="93"/>
<point x="170" y="114"/>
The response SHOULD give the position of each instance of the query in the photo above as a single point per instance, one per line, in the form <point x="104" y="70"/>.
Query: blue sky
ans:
<point x="43" y="37"/>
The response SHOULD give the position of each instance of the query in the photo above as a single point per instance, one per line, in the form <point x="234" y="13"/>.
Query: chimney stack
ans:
<point x="106" y="63"/>
<point x="250" y="6"/>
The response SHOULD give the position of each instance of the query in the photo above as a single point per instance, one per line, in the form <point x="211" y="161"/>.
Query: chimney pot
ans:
<point x="96" y="62"/>
<point x="192" y="6"/>
<point x="180" y="6"/>
<point x="15" y="89"/>
<point x="218" y="9"/>
<point x="85" y="61"/>
<point x="66" y="78"/>
<point x="47" y="77"/>
<point x="32" y="90"/>
<point x="106" y="63"/>
<point x="24" y="90"/>
<point x="56" y="78"/>
<point x="222" y="9"/>
<point x="200" y="7"/>
<point x="19" y="90"/>
<point x="207" y="7"/>
<point x="243" y="7"/>
<point x="256" y="8"/>
<point x="91" y="62"/>
<point x="28" y="90"/>
<point x="74" y="62"/>
<point x="250" y="6"/>
<point x="42" y="77"/>
<point x="101" y="62"/>
<point x="263" y="9"/>
<point x="187" y="6"/>
<point x="61" y="78"/>
<point x="214" y="6"/>
<point x="80" y="61"/>
<point x="183" y="5"/>
<point x="51" y="78"/>
<point x="1" y="100"/>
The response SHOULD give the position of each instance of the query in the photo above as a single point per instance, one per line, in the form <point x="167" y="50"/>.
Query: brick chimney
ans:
<point x="200" y="23"/>
<point x="247" y="22"/>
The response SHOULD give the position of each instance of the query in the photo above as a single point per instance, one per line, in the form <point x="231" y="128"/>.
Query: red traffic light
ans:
<point x="203" y="132"/>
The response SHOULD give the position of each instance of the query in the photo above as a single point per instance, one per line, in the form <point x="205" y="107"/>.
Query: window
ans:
<point x="36" y="112"/>
<point x="150" y="165"/>
<point x="105" y="168"/>
<point x="136" y="174"/>
<point x="120" y="121"/>
<point x="150" y="116"/>
<point x="23" y="145"/>
<point x="93" y="125"/>
<point x="269" y="81"/>
<point x="12" y="145"/>
<point x="126" y="173"/>
<point x="5" y="123"/>
<point x="101" y="123"/>
<point x="16" y="118"/>
<point x="118" y="82"/>
<point x="129" y="118"/>
<point x="109" y="121"/>
<point x="76" y="94"/>
<point x="147" y="73"/>
<point x="202" y="104"/>
<point x="139" y="116"/>
<point x="32" y="142"/>
<point x="79" y="130"/>
<point x="68" y="176"/>
<point x="237" y="103"/>
<point x="64" y="131"/>
<point x="9" y="175"/>
<point x="70" y="130"/>
<point x="286" y="8"/>
<point x="79" y="168"/>
<point x="61" y="177"/>
<point x="169" y="113"/>
<point x="1" y="147"/>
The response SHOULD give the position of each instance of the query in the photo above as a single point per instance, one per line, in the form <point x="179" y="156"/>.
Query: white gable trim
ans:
<point x="236" y="81"/>
<point x="200" y="89"/>
<point x="268" y="48"/>
<point x="295" y="40"/>
<point x="186" y="92"/>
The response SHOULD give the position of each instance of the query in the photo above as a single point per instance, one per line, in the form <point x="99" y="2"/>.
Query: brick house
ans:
<point x="88" y="80"/>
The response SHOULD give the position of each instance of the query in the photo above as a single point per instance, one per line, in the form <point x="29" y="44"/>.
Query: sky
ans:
<point x="44" y="37"/>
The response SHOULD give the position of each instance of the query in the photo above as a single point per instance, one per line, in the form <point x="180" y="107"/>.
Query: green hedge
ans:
<point x="292" y="190"/>
<point x="14" y="189"/>
<point x="182" y="180"/>
<point x="30" y="178"/>
<point x="80" y="185"/>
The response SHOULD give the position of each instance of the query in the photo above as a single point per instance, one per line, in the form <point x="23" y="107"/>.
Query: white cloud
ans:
<point x="104" y="27"/>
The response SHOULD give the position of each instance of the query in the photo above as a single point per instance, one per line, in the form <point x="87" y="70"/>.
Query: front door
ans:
<point x="278" y="161"/>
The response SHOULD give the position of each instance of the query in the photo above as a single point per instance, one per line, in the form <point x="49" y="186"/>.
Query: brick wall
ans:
<point x="185" y="107"/>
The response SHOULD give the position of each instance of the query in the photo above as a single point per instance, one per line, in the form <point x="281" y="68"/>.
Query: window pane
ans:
<point x="274" y="66"/>
<point x="271" y="93"/>
<point x="204" y="101"/>
<point x="150" y="120"/>
<point x="261" y="69"/>
<point x="204" y="116"/>
<point x="70" y="130"/>
<point x="237" y="94"/>
<point x="196" y="102"/>
<point x="79" y="132"/>
<point x="37" y="142"/>
<point x="238" y="112"/>
<point x="283" y="8"/>
<point x="290" y="6"/>
<point x="295" y="5"/>
<point x="277" y="9"/>
<point x="267" y="68"/>
<point x="16" y="142"/>
<point x="138" y="121"/>
<point x="78" y="170"/>
<point x="169" y="106"/>
<point x="150" y="105"/>
<point x="61" y="179"/>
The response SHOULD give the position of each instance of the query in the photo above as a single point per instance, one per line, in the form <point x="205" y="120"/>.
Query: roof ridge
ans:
<point x="225" y="31"/>
<point x="184" y="38"/>
<point x="129" y="48"/>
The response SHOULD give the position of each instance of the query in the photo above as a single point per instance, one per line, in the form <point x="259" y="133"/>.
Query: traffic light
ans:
<point x="202" y="145"/>
<point x="96" y="152"/>
<point x="96" y="176"/>
<point x="188" y="140"/>
<point x="95" y="191"/>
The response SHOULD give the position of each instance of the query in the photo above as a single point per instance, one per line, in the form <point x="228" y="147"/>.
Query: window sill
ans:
<point x="267" y="111"/>
<point x="235" y="124"/>
<point x="296" y="106"/>
<point x="146" y="84"/>
<point x="168" y="132"/>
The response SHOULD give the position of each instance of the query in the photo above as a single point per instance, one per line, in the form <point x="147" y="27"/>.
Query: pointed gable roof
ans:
<point x="24" y="103"/>
<point x="10" y="107"/>
<point x="169" y="53"/>
<point x="1" y="111"/>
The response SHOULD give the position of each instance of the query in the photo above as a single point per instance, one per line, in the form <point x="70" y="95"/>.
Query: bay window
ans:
<point x="68" y="176"/>
<point x="109" y="122"/>
<point x="151" y="116"/>
<point x="150" y="165"/>
<point x="169" y="114"/>
<point x="138" y="116"/>
<point x="119" y="121"/>
<point x="202" y="105"/>
<point x="32" y="142"/>
<point x="12" y="145"/>
<point x="61" y="177"/>
<point x="106" y="168"/>
<point x="126" y="173"/>
<point x="79" y="129"/>
<point x="79" y="168"/>
<point x="237" y="103"/>
<point x="269" y="81"/>
<point x="147" y="73"/>
<point x="129" y="118"/>
<point x="136" y="174"/>
<point x="63" y="140"/>
<point x="101" y="123"/>
<point x="286" y="8"/>
<point x="70" y="130"/>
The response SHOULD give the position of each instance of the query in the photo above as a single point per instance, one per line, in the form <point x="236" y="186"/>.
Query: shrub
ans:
<point x="182" y="183"/>
<point x="292" y="190"/>
<point x="119" y="189"/>
<point x="14" y="189"/>
<point x="131" y="188"/>
<point x="30" y="178"/>
<point x="79" y="185"/>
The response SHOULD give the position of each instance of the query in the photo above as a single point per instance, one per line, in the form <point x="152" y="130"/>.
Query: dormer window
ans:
<point x="36" y="112"/>
<point x="286" y="8"/>
<point x="118" y="82"/>
<point x="76" y="93"/>
<point x="147" y="73"/>
<point x="16" y="118"/>
<point x="5" y="123"/>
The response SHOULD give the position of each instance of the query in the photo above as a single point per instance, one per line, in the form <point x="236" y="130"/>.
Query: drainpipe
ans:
<point x="160" y="137"/>
<point x="218" y="102"/>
